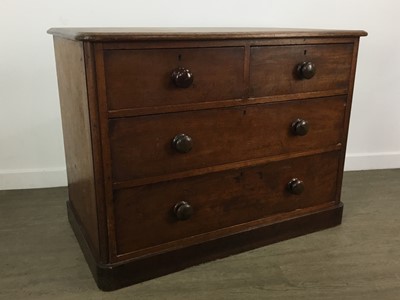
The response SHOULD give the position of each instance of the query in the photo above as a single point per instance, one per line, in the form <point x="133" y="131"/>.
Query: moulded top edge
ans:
<point x="114" y="34"/>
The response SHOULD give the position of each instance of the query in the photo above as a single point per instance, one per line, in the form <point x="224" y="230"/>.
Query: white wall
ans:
<point x="31" y="152"/>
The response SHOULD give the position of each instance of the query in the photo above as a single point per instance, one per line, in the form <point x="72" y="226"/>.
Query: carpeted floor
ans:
<point x="358" y="260"/>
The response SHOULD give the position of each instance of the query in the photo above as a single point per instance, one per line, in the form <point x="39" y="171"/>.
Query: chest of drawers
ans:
<point x="187" y="145"/>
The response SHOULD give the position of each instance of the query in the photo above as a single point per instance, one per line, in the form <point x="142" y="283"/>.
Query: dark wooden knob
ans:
<point x="296" y="186"/>
<point x="182" y="77"/>
<point x="306" y="70"/>
<point x="182" y="143"/>
<point x="300" y="127"/>
<point x="183" y="210"/>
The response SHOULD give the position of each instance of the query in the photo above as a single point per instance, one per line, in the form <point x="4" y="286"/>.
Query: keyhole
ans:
<point x="180" y="57"/>
<point x="305" y="52"/>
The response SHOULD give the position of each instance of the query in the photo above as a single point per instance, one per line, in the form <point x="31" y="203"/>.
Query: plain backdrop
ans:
<point x="31" y="152"/>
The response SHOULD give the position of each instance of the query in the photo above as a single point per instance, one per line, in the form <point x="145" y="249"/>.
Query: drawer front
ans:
<point x="142" y="146"/>
<point x="277" y="70"/>
<point x="220" y="200"/>
<point x="143" y="78"/>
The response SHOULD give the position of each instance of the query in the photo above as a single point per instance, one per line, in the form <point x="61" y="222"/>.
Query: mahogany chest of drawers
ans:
<point x="187" y="145"/>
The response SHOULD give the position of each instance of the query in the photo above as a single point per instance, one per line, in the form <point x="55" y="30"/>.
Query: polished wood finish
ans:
<point x="110" y="277"/>
<point x="95" y="116"/>
<point x="306" y="70"/>
<point x="141" y="111"/>
<point x="119" y="34"/>
<point x="182" y="143"/>
<point x="220" y="168"/>
<point x="142" y="78"/>
<point x="236" y="197"/>
<point x="211" y="145"/>
<point x="296" y="186"/>
<point x="347" y="116"/>
<point x="187" y="145"/>
<point x="300" y="127"/>
<point x="274" y="70"/>
<point x="182" y="77"/>
<point x="183" y="210"/>
<point x="356" y="257"/>
<point x="73" y="93"/>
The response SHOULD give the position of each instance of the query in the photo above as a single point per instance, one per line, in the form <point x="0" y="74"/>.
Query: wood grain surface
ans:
<point x="234" y="149"/>
<point x="220" y="200"/>
<point x="76" y="124"/>
<point x="110" y="34"/>
<point x="358" y="259"/>
<point x="273" y="68"/>
<point x="141" y="146"/>
<point x="142" y="78"/>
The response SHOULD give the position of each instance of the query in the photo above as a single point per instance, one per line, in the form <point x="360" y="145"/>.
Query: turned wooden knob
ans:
<point x="306" y="70"/>
<point x="182" y="143"/>
<point x="300" y="127"/>
<point x="182" y="77"/>
<point x="183" y="210"/>
<point x="296" y="186"/>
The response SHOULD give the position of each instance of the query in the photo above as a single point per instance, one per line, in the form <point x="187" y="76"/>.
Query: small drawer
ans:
<point x="280" y="70"/>
<point x="171" y="211"/>
<point x="162" y="77"/>
<point x="157" y="145"/>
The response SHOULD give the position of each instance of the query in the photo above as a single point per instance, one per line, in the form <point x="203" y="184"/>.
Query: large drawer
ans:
<point x="143" y="78"/>
<point x="142" y="146"/>
<point x="145" y="216"/>
<point x="277" y="70"/>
